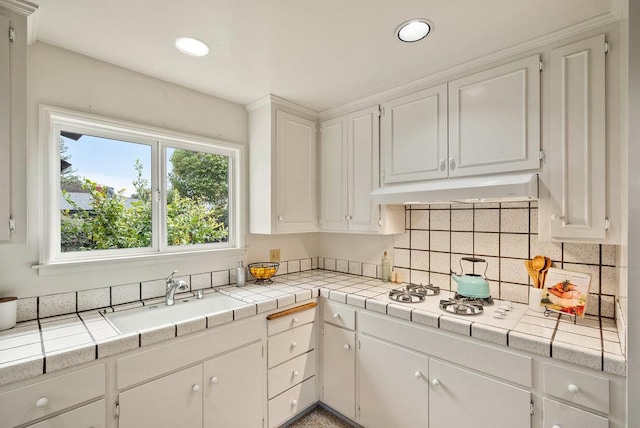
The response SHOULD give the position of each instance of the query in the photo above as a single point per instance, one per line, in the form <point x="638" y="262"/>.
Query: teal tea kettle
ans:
<point x="472" y="284"/>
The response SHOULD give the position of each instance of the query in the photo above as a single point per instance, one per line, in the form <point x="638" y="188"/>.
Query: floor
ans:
<point x="319" y="418"/>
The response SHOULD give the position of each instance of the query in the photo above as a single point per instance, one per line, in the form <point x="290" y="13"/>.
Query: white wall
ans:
<point x="66" y="79"/>
<point x="353" y="247"/>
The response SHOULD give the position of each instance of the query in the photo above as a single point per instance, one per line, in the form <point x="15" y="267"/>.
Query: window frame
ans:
<point x="53" y="120"/>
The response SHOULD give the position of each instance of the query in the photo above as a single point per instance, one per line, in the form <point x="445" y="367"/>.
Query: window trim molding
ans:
<point x="52" y="118"/>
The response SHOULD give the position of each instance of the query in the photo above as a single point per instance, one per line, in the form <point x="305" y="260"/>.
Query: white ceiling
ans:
<point x="317" y="53"/>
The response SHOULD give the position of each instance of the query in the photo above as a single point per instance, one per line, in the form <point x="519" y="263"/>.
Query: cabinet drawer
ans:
<point x="292" y="401"/>
<point x="89" y="416"/>
<point x="291" y="373"/>
<point x="340" y="315"/>
<point x="291" y="343"/>
<point x="577" y="387"/>
<point x="296" y="319"/>
<point x="560" y="415"/>
<point x="53" y="395"/>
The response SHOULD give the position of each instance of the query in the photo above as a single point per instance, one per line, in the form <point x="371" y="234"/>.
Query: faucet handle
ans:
<point x="170" y="277"/>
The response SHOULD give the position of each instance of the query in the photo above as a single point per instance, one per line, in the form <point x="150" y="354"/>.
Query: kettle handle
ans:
<point x="475" y="260"/>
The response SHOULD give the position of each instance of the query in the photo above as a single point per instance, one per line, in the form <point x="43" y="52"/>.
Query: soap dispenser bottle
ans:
<point x="241" y="275"/>
<point x="386" y="268"/>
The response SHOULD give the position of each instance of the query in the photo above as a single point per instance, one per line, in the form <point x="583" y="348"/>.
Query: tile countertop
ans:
<point x="33" y="348"/>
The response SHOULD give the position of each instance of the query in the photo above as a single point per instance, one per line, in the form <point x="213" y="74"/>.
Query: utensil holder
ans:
<point x="8" y="311"/>
<point x="535" y="295"/>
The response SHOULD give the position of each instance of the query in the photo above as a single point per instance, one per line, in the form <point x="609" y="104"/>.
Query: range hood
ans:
<point x="498" y="188"/>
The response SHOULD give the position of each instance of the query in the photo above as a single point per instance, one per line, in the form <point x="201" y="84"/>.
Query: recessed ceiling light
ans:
<point x="413" y="30"/>
<point x="191" y="46"/>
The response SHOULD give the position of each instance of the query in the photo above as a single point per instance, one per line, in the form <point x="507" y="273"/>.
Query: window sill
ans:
<point x="75" y="266"/>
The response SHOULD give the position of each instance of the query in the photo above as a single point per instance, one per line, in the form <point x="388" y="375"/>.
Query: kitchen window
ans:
<point x="120" y="190"/>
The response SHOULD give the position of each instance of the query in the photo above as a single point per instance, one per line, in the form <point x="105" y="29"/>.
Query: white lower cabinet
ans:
<point x="339" y="375"/>
<point x="558" y="415"/>
<point x="171" y="401"/>
<point x="225" y="391"/>
<point x="458" y="396"/>
<point x="233" y="392"/>
<point x="394" y="386"/>
<point x="87" y="416"/>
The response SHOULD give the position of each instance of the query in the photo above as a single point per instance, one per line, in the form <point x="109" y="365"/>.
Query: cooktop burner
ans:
<point x="412" y="293"/>
<point x="484" y="301"/>
<point x="462" y="305"/>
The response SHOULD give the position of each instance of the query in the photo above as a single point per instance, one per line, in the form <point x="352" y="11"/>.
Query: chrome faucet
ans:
<point x="172" y="286"/>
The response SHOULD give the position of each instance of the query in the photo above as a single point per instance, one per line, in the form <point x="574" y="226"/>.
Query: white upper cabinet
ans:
<point x="494" y="120"/>
<point x="13" y="121"/>
<point x="577" y="149"/>
<point x="414" y="136"/>
<point x="282" y="168"/>
<point x="349" y="172"/>
<point x="5" y="134"/>
<point x="333" y="175"/>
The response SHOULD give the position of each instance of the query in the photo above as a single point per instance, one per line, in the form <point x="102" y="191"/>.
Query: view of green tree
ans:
<point x="69" y="180"/>
<point x="201" y="175"/>
<point x="118" y="222"/>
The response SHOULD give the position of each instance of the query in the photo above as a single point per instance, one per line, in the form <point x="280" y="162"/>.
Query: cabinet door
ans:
<point x="5" y="134"/>
<point x="339" y="370"/>
<point x="393" y="386"/>
<point x="560" y="415"/>
<point x="458" y="397"/>
<point x="295" y="173"/>
<point x="88" y="416"/>
<point x="171" y="401"/>
<point x="333" y="174"/>
<point x="494" y="120"/>
<point x="364" y="169"/>
<point x="577" y="158"/>
<point x="234" y="389"/>
<point x="414" y="136"/>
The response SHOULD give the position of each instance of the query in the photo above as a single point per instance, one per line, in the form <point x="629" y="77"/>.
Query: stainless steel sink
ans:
<point x="137" y="319"/>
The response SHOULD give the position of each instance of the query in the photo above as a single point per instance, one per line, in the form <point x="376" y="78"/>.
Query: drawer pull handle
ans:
<point x="573" y="388"/>
<point x="296" y="373"/>
<point x="214" y="380"/>
<point x="435" y="382"/>
<point x="347" y="346"/>
<point x="336" y="316"/>
<point x="41" y="402"/>
<point x="294" y="403"/>
<point x="196" y="388"/>
<point x="294" y="344"/>
<point x="418" y="375"/>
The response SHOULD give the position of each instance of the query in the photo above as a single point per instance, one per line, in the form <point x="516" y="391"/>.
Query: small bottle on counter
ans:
<point x="241" y="275"/>
<point x="386" y="268"/>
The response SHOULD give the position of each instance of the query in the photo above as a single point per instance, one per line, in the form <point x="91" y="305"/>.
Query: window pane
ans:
<point x="197" y="197"/>
<point x="105" y="199"/>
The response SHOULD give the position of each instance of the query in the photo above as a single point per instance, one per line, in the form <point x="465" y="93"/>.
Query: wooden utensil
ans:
<point x="543" y="273"/>
<point x="532" y="272"/>
<point x="538" y="263"/>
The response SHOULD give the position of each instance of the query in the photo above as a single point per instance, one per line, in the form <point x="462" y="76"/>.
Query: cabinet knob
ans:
<point x="296" y="373"/>
<point x="280" y="218"/>
<point x="214" y="380"/>
<point x="294" y="403"/>
<point x="196" y="388"/>
<point x="556" y="426"/>
<point x="452" y="164"/>
<point x="573" y="388"/>
<point x="349" y="217"/>
<point x="336" y="316"/>
<point x="295" y="321"/>
<point x="347" y="346"/>
<point x="294" y="344"/>
<point x="41" y="402"/>
<point x="443" y="164"/>
<point x="435" y="382"/>
<point x="556" y="217"/>
<point x="418" y="375"/>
